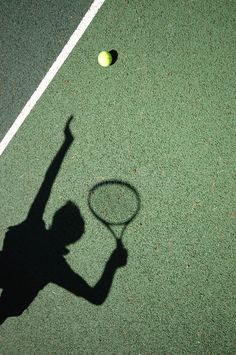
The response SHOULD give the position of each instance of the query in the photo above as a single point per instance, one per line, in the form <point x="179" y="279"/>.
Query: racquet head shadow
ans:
<point x="115" y="203"/>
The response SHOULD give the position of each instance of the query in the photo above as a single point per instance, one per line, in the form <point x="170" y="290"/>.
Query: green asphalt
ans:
<point x="33" y="33"/>
<point x="161" y="118"/>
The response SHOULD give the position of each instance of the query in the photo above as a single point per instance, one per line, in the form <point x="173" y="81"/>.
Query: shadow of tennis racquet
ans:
<point x="115" y="203"/>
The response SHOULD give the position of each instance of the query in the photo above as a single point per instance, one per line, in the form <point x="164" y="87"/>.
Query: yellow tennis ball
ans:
<point x="105" y="59"/>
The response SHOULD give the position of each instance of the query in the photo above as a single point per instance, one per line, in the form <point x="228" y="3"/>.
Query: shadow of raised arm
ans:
<point x="38" y="206"/>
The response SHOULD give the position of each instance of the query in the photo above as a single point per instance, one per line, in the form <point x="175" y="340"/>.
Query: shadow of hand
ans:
<point x="120" y="255"/>
<point x="68" y="135"/>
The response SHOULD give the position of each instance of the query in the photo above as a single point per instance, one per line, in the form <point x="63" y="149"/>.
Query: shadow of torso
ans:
<point x="28" y="262"/>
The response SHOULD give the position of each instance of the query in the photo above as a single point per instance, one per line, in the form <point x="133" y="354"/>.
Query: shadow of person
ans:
<point x="33" y="256"/>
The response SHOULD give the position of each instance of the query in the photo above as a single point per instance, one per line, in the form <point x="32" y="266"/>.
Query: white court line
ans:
<point x="75" y="37"/>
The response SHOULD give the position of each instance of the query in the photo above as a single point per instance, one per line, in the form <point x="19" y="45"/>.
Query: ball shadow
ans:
<point x="114" y="55"/>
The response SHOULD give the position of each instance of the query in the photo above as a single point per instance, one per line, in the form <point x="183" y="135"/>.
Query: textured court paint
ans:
<point x="28" y="50"/>
<point x="167" y="125"/>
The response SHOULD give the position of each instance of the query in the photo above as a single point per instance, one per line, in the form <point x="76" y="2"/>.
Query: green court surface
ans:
<point x="33" y="33"/>
<point x="161" y="118"/>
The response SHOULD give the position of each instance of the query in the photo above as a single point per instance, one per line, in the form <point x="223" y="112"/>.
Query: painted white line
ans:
<point x="75" y="37"/>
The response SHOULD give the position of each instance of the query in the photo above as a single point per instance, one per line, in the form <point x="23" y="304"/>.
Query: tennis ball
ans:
<point x="105" y="59"/>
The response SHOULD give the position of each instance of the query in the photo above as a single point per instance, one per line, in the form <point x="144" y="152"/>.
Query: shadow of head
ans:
<point x="67" y="224"/>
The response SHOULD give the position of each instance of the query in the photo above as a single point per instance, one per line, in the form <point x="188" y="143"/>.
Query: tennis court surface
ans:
<point x="162" y="121"/>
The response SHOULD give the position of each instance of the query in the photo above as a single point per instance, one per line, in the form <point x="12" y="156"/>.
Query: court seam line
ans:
<point x="57" y="64"/>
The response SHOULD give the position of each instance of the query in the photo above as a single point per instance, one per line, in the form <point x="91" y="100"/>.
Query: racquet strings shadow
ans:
<point x="115" y="203"/>
<point x="33" y="256"/>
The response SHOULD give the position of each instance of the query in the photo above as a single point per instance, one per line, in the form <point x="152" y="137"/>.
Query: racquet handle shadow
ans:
<point x="120" y="255"/>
